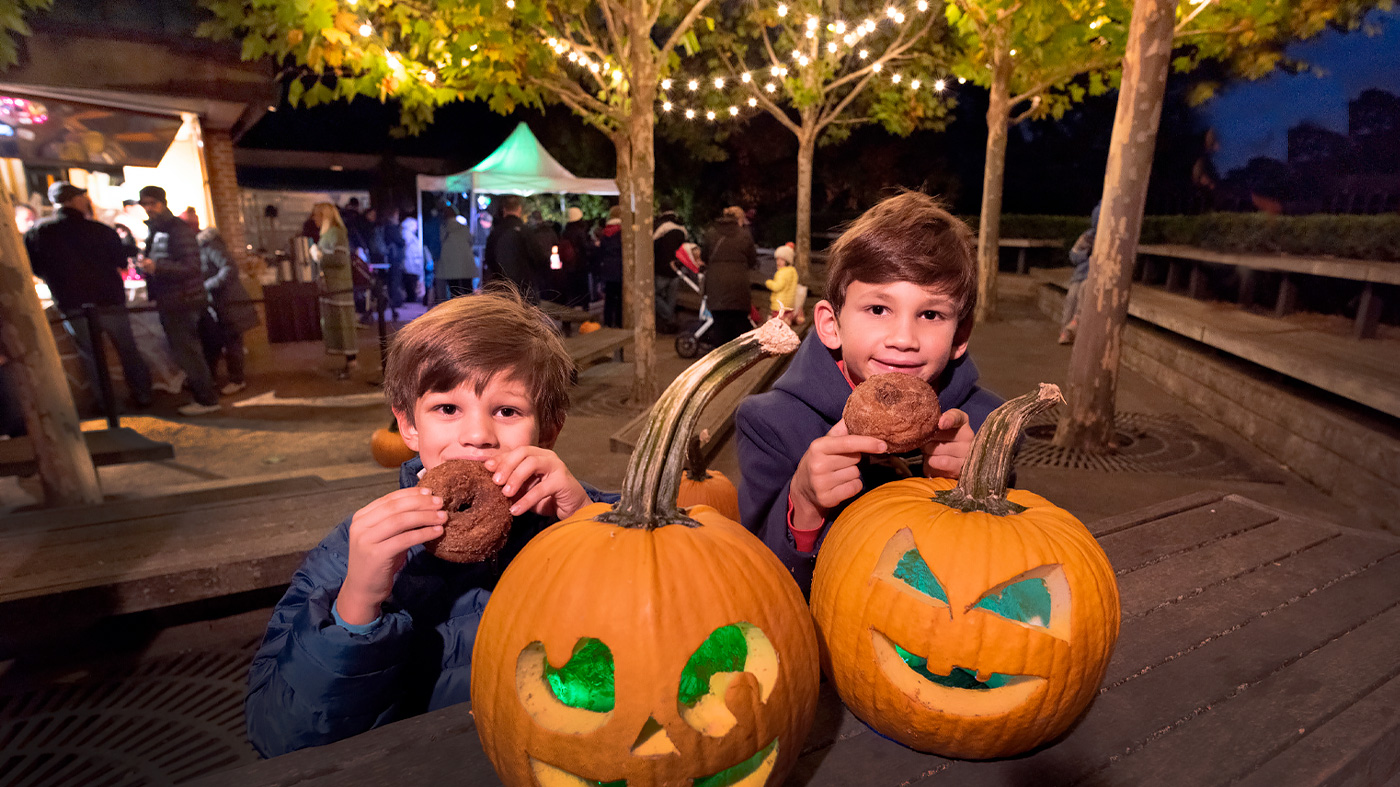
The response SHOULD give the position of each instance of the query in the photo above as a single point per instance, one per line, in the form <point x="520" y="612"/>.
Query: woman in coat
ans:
<point x="337" y="286"/>
<point x="729" y="255"/>
<point x="232" y="306"/>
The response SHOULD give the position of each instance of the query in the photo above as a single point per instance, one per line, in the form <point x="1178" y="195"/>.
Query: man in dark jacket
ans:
<point x="506" y="256"/>
<point x="82" y="261"/>
<point x="665" y="241"/>
<point x="729" y="255"/>
<point x="233" y="312"/>
<point x="546" y="265"/>
<point x="175" y="281"/>
<point x="577" y="251"/>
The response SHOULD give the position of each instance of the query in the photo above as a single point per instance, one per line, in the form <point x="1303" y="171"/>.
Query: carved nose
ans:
<point x="653" y="741"/>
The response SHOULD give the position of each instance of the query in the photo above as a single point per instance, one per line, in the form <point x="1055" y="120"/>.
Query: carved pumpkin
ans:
<point x="387" y="446"/>
<point x="703" y="486"/>
<point x="964" y="619"/>
<point x="589" y="326"/>
<point x="637" y="642"/>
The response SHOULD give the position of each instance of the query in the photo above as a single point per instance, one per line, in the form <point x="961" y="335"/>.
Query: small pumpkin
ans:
<point x="961" y="618"/>
<point x="703" y="486"/>
<point x="387" y="446"/>
<point x="644" y="644"/>
<point x="589" y="326"/>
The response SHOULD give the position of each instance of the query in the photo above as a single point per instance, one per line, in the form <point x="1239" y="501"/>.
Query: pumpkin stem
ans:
<point x="654" y="473"/>
<point x="982" y="486"/>
<point x="696" y="466"/>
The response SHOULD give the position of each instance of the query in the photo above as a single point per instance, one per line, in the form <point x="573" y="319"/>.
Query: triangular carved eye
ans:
<point x="902" y="564"/>
<point x="1039" y="598"/>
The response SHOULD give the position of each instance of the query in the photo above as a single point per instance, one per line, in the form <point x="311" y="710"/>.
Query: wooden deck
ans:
<point x="133" y="555"/>
<point x="1364" y="372"/>
<point x="600" y="345"/>
<point x="107" y="447"/>
<point x="1256" y="648"/>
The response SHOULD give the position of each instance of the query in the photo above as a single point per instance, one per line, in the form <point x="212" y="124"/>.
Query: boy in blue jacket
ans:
<point x="901" y="286"/>
<point x="373" y="628"/>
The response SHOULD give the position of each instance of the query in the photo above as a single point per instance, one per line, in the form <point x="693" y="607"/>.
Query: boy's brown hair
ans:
<point x="907" y="237"/>
<point x="472" y="339"/>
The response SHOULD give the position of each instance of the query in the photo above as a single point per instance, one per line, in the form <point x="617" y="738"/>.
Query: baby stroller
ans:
<point x="695" y="339"/>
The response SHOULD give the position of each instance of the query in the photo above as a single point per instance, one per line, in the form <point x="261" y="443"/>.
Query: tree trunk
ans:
<point x="641" y="123"/>
<point x="623" y="144"/>
<point x="65" y="467"/>
<point x="1093" y="372"/>
<point x="989" y="225"/>
<point x="806" y="152"/>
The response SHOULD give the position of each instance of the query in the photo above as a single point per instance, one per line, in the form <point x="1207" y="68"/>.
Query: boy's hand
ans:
<point x="945" y="453"/>
<point x="380" y="535"/>
<point x="536" y="479"/>
<point x="828" y="474"/>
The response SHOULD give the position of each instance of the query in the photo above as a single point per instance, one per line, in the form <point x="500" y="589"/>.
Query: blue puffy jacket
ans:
<point x="313" y="682"/>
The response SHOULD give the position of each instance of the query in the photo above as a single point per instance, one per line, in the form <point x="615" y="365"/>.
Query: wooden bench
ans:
<point x="717" y="421"/>
<point x="1364" y="372"/>
<point x="1021" y="244"/>
<point x="566" y="316"/>
<point x="604" y="343"/>
<point x="107" y="447"/>
<point x="66" y="567"/>
<point x="1184" y="262"/>
<point x="1256" y="648"/>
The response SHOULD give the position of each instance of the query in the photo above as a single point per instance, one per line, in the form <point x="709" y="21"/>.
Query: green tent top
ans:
<point x="520" y="166"/>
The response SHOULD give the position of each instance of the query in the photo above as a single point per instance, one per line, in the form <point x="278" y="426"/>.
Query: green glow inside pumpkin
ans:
<point x="1027" y="601"/>
<point x="725" y="650"/>
<point x="586" y="681"/>
<point x="738" y="772"/>
<point x="959" y="678"/>
<point x="915" y="573"/>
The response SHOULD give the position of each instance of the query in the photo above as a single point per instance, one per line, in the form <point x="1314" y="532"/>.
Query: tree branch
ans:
<point x="825" y="119"/>
<point x="895" y="50"/>
<point x="1035" y="104"/>
<point x="1060" y="76"/>
<point x="683" y="27"/>
<point x="772" y="107"/>
<point x="1194" y="13"/>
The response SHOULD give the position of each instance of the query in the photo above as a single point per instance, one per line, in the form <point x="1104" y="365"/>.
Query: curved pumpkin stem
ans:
<point x="696" y="466"/>
<point x="654" y="473"/>
<point x="982" y="486"/>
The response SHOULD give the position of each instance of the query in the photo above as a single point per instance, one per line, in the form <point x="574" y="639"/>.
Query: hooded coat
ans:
<point x="775" y="428"/>
<point x="314" y="682"/>
<point x="729" y="255"/>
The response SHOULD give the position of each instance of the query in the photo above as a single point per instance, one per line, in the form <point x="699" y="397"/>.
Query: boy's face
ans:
<point x="893" y="327"/>
<point x="458" y="424"/>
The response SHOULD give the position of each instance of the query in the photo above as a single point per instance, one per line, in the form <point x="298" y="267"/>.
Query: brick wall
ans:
<point x="223" y="189"/>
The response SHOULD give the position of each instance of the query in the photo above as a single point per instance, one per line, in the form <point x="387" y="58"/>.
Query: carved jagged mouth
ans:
<point x="752" y="772"/>
<point x="961" y="690"/>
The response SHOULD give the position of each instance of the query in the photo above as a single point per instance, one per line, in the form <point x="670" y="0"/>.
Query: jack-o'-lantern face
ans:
<point x="964" y="634"/>
<point x="658" y="669"/>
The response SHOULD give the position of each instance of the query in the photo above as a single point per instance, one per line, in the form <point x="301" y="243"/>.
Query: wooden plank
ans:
<point x="121" y="445"/>
<point x="602" y="343"/>
<point x="1262" y="718"/>
<point x="1032" y="243"/>
<point x="1357" y="748"/>
<point x="1191" y="571"/>
<point x="1169" y="535"/>
<point x="1379" y="271"/>
<point x="1368" y="313"/>
<point x="1114" y="524"/>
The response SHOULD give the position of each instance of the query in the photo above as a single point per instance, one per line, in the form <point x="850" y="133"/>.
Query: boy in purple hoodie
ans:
<point x="901" y="286"/>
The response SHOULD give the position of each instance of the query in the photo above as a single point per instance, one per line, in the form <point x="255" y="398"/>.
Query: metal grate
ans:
<point x="168" y="721"/>
<point x="1147" y="444"/>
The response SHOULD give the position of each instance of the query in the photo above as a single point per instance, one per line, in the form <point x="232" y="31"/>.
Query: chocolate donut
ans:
<point x="478" y="514"/>
<point x="900" y="409"/>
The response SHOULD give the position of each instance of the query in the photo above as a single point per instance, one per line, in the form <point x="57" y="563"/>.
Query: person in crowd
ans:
<point x="729" y="255"/>
<point x="131" y="249"/>
<point x="1079" y="255"/>
<point x="542" y="247"/>
<point x="390" y="238"/>
<point x="191" y="217"/>
<point x="374" y="628"/>
<point x="82" y="261"/>
<point x="416" y="259"/>
<point x="360" y="230"/>
<point x="901" y="287"/>
<point x="576" y="252"/>
<point x="457" y="272"/>
<point x="234" y="313"/>
<point x="783" y="285"/>
<point x="480" y="234"/>
<point x="506" y="256"/>
<point x="666" y="239"/>
<point x="337" y="283"/>
<point x="610" y="267"/>
<point x="175" y="281"/>
<point x="25" y="216"/>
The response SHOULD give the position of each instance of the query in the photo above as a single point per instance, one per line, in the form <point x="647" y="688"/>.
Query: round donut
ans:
<point x="478" y="514"/>
<point x="900" y="409"/>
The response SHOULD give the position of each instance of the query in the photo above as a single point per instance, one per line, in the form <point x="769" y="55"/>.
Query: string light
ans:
<point x="796" y="54"/>
<point x="896" y="78"/>
<point x="914" y="84"/>
<point x="839" y="27"/>
<point x="1013" y="53"/>
<point x="429" y="77"/>
<point x="472" y="48"/>
<point x="876" y="68"/>
<point x="665" y="106"/>
<point x="811" y="34"/>
<point x="510" y="3"/>
<point x="693" y="85"/>
<point x="962" y="81"/>
<point x="710" y="115"/>
<point x="939" y="85"/>
<point x="899" y="17"/>
<point x="733" y="111"/>
<point x="593" y="67"/>
<point x="745" y="77"/>
<point x="812" y="23"/>
<point x="922" y="5"/>
<point x="864" y="53"/>
<point x="782" y="10"/>
<point x="366" y="30"/>
<point x="665" y="84"/>
<point x="803" y="61"/>
<point x="690" y="114"/>
<point x="719" y="83"/>
<point x="831" y="47"/>
<point x="753" y="102"/>
<point x="770" y="87"/>
<point x="890" y="12"/>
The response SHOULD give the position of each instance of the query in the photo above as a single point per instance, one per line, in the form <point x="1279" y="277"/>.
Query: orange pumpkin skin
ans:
<point x="388" y="449"/>
<point x="589" y="326"/>
<point x="653" y="597"/>
<point x="716" y="491"/>
<point x="861" y="609"/>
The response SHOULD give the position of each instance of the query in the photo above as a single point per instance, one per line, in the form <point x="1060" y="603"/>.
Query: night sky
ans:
<point x="1252" y="118"/>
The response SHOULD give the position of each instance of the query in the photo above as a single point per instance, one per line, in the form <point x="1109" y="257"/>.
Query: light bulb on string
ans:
<point x="665" y="84"/>
<point x="890" y="12"/>
<point x="831" y="47"/>
<point x="962" y="81"/>
<point x="811" y="34"/>
<point x="849" y="39"/>
<point x="733" y="111"/>
<point x="510" y="3"/>
<point x="719" y="83"/>
<point x="745" y="77"/>
<point x="429" y="76"/>
<point x="472" y="48"/>
<point x="551" y="42"/>
<point x="770" y="87"/>
<point x="693" y="85"/>
<point x="753" y="102"/>
<point x="896" y="78"/>
<point x="573" y="57"/>
<point x="839" y="28"/>
<point x="812" y="23"/>
<point x="922" y="5"/>
<point x="899" y="18"/>
<point x="1013" y="53"/>
<point x="366" y="30"/>
<point x="796" y="54"/>
<point x="665" y="106"/>
<point x="594" y="67"/>
<point x="803" y="61"/>
<point x="710" y="115"/>
<point x="914" y="84"/>
<point x="782" y="10"/>
<point x="864" y="53"/>
<point x="690" y="114"/>
<point x="876" y="68"/>
<point x="939" y="85"/>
